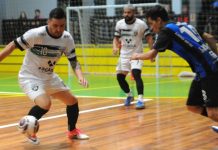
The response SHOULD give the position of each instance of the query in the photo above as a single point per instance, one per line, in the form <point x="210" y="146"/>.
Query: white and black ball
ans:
<point x="28" y="125"/>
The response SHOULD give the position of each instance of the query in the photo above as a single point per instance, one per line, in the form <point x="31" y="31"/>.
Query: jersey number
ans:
<point x="190" y="32"/>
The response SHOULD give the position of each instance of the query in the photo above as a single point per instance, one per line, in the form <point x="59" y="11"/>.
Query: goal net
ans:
<point x="93" y="30"/>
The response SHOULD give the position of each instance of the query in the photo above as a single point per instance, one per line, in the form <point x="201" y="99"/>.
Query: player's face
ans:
<point x="155" y="25"/>
<point x="56" y="26"/>
<point x="128" y="15"/>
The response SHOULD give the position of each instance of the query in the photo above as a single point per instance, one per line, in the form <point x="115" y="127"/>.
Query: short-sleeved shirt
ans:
<point x="131" y="36"/>
<point x="184" y="40"/>
<point x="43" y="52"/>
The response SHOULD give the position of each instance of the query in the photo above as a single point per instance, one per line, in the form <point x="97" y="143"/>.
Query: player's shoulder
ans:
<point x="140" y="21"/>
<point x="121" y="21"/>
<point x="40" y="31"/>
<point x="67" y="35"/>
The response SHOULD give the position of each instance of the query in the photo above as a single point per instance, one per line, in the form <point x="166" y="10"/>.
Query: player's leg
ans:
<point x="210" y="95"/>
<point x="140" y="88"/>
<point x="59" y="90"/>
<point x="42" y="106"/>
<point x="72" y="110"/>
<point x="203" y="98"/>
<point x="136" y="66"/>
<point x="123" y="67"/>
<point x="210" y="88"/>
<point x="195" y="101"/>
<point x="34" y="89"/>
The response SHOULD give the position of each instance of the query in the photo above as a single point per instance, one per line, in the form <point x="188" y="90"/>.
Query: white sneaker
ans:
<point x="77" y="134"/>
<point x="215" y="128"/>
<point x="32" y="139"/>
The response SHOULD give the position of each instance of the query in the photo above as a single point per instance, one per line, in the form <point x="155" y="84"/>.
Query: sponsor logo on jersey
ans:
<point x="128" y="32"/>
<point x="47" y="51"/>
<point x="49" y="69"/>
<point x="34" y="87"/>
<point x="66" y="36"/>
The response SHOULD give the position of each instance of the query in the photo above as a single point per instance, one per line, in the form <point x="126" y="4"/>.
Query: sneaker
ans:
<point x="215" y="128"/>
<point x="128" y="100"/>
<point x="77" y="134"/>
<point x="140" y="105"/>
<point x="32" y="139"/>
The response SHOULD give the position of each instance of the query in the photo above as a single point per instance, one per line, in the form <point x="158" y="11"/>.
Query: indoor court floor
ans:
<point x="164" y="124"/>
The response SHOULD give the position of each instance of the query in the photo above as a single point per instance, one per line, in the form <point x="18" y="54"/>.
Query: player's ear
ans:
<point x="48" y="21"/>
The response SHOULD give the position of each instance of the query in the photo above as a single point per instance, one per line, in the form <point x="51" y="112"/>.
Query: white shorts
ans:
<point x="34" y="87"/>
<point x="124" y="64"/>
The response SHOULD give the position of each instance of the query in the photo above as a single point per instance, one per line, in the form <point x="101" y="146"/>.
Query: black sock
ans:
<point x="72" y="116"/>
<point x="121" y="78"/>
<point x="37" y="112"/>
<point x="139" y="83"/>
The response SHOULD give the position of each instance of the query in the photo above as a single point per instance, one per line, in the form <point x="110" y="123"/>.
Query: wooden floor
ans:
<point x="165" y="124"/>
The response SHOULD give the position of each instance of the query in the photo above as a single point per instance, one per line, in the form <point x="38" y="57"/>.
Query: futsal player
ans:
<point x="128" y="36"/>
<point x="44" y="47"/>
<point x="183" y="39"/>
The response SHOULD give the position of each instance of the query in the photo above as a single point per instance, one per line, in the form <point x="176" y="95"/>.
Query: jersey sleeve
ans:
<point x="70" y="48"/>
<point x="26" y="41"/>
<point x="117" y="30"/>
<point x="146" y="30"/>
<point x="163" y="41"/>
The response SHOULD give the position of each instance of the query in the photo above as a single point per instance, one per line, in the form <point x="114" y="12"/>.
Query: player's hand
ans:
<point x="152" y="59"/>
<point x="84" y="82"/>
<point x="135" y="56"/>
<point x="115" y="51"/>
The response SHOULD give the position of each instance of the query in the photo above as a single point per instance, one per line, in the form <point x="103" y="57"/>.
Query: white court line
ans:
<point x="81" y="112"/>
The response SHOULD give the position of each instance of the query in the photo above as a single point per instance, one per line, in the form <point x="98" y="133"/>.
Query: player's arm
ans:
<point x="162" y="43"/>
<point x="116" y="40"/>
<point x="151" y="54"/>
<point x="7" y="50"/>
<point x="211" y="41"/>
<point x="149" y="39"/>
<point x="78" y="71"/>
<point x="116" y="45"/>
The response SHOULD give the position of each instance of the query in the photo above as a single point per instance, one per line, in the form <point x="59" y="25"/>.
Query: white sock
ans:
<point x="140" y="97"/>
<point x="129" y="94"/>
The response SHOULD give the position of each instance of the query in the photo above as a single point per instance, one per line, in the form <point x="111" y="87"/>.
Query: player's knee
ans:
<point x="121" y="77"/>
<point x="73" y="100"/>
<point x="136" y="74"/>
<point x="44" y="105"/>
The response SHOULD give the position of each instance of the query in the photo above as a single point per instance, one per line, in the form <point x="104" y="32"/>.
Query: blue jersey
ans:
<point x="184" y="40"/>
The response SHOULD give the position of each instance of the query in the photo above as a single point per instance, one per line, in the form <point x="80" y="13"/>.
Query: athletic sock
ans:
<point x="37" y="112"/>
<point x="140" y="97"/>
<point x="72" y="116"/>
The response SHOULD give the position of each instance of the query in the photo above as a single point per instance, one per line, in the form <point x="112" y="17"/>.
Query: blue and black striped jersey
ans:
<point x="184" y="40"/>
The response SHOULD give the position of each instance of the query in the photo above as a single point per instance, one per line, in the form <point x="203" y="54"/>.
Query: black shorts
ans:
<point x="204" y="92"/>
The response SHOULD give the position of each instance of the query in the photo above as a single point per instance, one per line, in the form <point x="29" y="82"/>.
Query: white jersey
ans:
<point x="43" y="52"/>
<point x="131" y="36"/>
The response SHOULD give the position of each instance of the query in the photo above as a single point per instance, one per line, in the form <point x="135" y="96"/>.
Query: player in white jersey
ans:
<point x="45" y="45"/>
<point x="128" y="36"/>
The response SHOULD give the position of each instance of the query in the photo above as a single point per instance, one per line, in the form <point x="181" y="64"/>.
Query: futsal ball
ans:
<point x="28" y="125"/>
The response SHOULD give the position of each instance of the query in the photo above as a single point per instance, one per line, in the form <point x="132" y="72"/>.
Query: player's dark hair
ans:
<point x="157" y="11"/>
<point x="57" y="13"/>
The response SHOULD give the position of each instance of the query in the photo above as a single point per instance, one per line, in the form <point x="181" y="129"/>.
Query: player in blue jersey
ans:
<point x="198" y="49"/>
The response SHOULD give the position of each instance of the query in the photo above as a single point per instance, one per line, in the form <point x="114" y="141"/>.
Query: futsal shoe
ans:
<point x="140" y="105"/>
<point x="128" y="100"/>
<point x="32" y="139"/>
<point x="77" y="134"/>
<point x="215" y="128"/>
